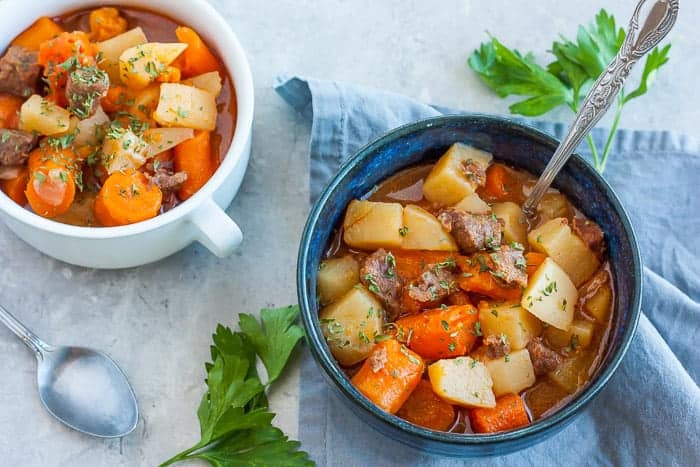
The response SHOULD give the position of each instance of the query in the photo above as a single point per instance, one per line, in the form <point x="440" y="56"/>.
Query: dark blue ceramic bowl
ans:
<point x="515" y="144"/>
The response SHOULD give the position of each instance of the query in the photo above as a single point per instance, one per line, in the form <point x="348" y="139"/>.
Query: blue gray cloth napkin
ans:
<point x="649" y="413"/>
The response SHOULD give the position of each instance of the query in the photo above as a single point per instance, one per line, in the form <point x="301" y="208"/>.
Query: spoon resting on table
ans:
<point x="660" y="18"/>
<point x="83" y="388"/>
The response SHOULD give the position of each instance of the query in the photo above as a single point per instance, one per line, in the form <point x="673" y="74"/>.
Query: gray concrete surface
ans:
<point x="156" y="320"/>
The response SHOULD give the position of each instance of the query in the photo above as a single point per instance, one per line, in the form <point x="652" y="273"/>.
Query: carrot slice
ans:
<point x="126" y="198"/>
<point x="509" y="413"/>
<point x="50" y="190"/>
<point x="533" y="260"/>
<point x="476" y="278"/>
<point x="499" y="183"/>
<point x="106" y="23"/>
<point x="410" y="264"/>
<point x="389" y="375"/>
<point x="9" y="111"/>
<point x="194" y="157"/>
<point x="42" y="30"/>
<point x="459" y="298"/>
<point x="440" y="333"/>
<point x="197" y="58"/>
<point x="14" y="188"/>
<point x="59" y="55"/>
<point x="427" y="409"/>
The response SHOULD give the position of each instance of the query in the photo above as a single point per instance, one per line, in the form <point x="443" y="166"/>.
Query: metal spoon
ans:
<point x="660" y="19"/>
<point x="83" y="388"/>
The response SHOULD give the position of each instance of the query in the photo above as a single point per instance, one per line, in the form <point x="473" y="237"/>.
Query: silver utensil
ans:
<point x="661" y="17"/>
<point x="83" y="388"/>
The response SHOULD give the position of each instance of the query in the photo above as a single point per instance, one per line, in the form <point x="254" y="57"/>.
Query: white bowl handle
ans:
<point x="215" y="229"/>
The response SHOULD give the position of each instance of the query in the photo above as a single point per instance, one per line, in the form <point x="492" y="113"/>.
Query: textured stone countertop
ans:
<point x="156" y="320"/>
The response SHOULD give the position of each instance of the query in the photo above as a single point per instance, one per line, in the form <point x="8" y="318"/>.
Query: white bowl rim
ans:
<point x="233" y="55"/>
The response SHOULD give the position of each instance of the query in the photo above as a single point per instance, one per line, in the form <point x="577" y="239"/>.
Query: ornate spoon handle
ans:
<point x="660" y="19"/>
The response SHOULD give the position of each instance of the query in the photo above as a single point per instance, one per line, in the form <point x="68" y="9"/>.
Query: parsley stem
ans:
<point x="594" y="151"/>
<point x="611" y="135"/>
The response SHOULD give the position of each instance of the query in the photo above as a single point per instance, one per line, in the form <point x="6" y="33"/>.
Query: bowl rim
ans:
<point x="333" y="372"/>
<point x="221" y="36"/>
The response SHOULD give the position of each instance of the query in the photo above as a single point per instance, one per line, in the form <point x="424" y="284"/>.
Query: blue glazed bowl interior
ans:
<point x="519" y="146"/>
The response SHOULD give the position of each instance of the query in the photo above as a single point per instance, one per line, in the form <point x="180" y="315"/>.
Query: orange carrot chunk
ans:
<point x="42" y="30"/>
<point x="389" y="375"/>
<point x="475" y="277"/>
<point x="426" y="409"/>
<point x="197" y="58"/>
<point x="499" y="183"/>
<point x="126" y="198"/>
<point x="9" y="111"/>
<point x="194" y="157"/>
<point x="14" y="188"/>
<point x="533" y="260"/>
<point x="509" y="413"/>
<point x="106" y="23"/>
<point x="410" y="264"/>
<point x="50" y="190"/>
<point x="59" y="55"/>
<point x="440" y="333"/>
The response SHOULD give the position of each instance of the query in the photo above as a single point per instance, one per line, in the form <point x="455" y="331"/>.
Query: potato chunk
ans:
<point x="462" y="381"/>
<point x="554" y="205"/>
<point x="140" y="65"/>
<point x="185" y="106"/>
<point x="210" y="82"/>
<point x="511" y="319"/>
<point x="335" y="277"/>
<point x="350" y="325"/>
<point x="424" y="231"/>
<point x="123" y="150"/>
<point x="598" y="305"/>
<point x="42" y="116"/>
<point x="580" y="334"/>
<point x="550" y="295"/>
<point x="162" y="139"/>
<point x="473" y="204"/>
<point x="111" y="50"/>
<point x="515" y="226"/>
<point x="566" y="248"/>
<point x="512" y="373"/>
<point x="446" y="184"/>
<point x="572" y="372"/>
<point x="369" y="225"/>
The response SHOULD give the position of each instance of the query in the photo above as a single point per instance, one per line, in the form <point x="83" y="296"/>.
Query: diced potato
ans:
<point x="572" y="372"/>
<point x="140" y="65"/>
<point x="210" y="82"/>
<point x="186" y="106"/>
<point x="566" y="248"/>
<point x="473" y="204"/>
<point x="90" y="131"/>
<point x="424" y="231"/>
<point x="580" y="334"/>
<point x="462" y="381"/>
<point x="550" y="295"/>
<point x="515" y="228"/>
<point x="512" y="373"/>
<point x="123" y="150"/>
<point x="554" y="205"/>
<point x="43" y="116"/>
<point x="369" y="225"/>
<point x="145" y="102"/>
<point x="511" y="319"/>
<point x="335" y="277"/>
<point x="111" y="50"/>
<point x="598" y="305"/>
<point x="447" y="184"/>
<point x="162" y="139"/>
<point x="350" y="325"/>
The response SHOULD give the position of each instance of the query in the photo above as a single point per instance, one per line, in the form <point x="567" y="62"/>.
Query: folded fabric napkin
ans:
<point x="649" y="412"/>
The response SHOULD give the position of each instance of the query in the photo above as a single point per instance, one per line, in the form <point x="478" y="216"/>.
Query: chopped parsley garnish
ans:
<point x="477" y="329"/>
<point x="373" y="287"/>
<point x="445" y="325"/>
<point x="403" y="231"/>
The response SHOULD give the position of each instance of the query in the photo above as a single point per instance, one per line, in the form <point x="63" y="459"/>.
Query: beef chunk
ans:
<point x="472" y="232"/>
<point x="19" y="71"/>
<point x="170" y="200"/>
<point x="508" y="264"/>
<point x="378" y="274"/>
<point x="168" y="181"/>
<point x="496" y="346"/>
<point x="436" y="283"/>
<point x="589" y="232"/>
<point x="474" y="172"/>
<point x="543" y="358"/>
<point x="85" y="87"/>
<point x="15" y="146"/>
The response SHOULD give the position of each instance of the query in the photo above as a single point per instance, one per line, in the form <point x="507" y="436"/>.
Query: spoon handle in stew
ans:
<point x="27" y="336"/>
<point x="660" y="19"/>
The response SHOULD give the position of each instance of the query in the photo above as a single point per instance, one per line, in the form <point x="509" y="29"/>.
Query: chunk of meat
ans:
<point x="496" y="346"/>
<point x="543" y="358"/>
<point x="84" y="89"/>
<point x="590" y="233"/>
<point x="15" y="146"/>
<point x="378" y="274"/>
<point x="509" y="265"/>
<point x="167" y="180"/>
<point x="436" y="283"/>
<point x="19" y="71"/>
<point x="8" y="172"/>
<point x="474" y="172"/>
<point x="170" y="200"/>
<point x="472" y="232"/>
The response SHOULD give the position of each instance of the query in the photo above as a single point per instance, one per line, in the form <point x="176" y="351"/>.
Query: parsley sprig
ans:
<point x="567" y="79"/>
<point x="234" y="417"/>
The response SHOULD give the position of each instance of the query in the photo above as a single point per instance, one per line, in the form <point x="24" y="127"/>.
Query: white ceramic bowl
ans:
<point x="200" y="218"/>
